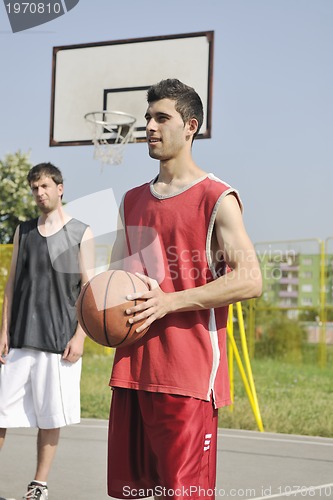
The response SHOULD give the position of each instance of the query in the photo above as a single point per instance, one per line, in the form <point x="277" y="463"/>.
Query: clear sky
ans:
<point x="272" y="128"/>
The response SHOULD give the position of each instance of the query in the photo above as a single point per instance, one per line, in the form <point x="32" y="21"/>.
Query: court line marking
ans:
<point x="278" y="440"/>
<point x="261" y="437"/>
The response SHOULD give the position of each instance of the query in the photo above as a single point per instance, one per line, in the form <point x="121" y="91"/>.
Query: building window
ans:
<point x="307" y="275"/>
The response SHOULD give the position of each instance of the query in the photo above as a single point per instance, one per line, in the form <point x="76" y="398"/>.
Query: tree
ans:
<point x="16" y="201"/>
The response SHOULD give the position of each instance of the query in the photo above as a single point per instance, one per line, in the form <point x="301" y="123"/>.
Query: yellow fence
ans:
<point x="243" y="362"/>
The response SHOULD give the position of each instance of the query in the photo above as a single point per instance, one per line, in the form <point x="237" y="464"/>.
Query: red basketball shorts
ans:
<point x="161" y="445"/>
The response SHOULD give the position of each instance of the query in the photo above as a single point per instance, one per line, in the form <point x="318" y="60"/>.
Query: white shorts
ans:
<point x="39" y="389"/>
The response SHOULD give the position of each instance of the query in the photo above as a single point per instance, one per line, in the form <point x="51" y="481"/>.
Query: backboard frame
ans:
<point x="64" y="55"/>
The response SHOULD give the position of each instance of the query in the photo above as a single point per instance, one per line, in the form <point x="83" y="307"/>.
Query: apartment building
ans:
<point x="294" y="280"/>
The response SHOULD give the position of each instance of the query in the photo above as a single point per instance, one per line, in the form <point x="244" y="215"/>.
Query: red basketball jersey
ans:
<point x="169" y="239"/>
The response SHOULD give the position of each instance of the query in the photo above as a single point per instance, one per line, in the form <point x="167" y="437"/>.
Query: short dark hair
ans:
<point x="188" y="102"/>
<point x="46" y="169"/>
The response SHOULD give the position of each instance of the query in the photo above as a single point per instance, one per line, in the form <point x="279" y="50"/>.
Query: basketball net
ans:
<point x="111" y="131"/>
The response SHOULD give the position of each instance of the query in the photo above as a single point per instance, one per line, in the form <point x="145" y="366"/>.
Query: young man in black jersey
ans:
<point x="41" y="343"/>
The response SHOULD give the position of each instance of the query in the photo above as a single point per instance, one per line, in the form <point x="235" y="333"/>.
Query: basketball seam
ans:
<point x="104" y="312"/>
<point x="131" y="325"/>
<point x="81" y="308"/>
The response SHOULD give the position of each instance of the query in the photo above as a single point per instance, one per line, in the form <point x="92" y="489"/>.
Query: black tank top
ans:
<point x="47" y="285"/>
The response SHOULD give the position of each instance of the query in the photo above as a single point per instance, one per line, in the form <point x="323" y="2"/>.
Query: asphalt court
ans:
<point x="251" y="465"/>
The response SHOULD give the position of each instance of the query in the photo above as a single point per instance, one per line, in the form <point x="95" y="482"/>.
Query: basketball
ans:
<point x="101" y="308"/>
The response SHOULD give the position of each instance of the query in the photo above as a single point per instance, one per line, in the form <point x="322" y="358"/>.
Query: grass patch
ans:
<point x="293" y="399"/>
<point x="95" y="390"/>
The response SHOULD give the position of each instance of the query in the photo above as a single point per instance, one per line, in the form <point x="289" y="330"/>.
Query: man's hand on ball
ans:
<point x="154" y="304"/>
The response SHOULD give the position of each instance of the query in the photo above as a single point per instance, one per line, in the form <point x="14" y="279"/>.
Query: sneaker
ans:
<point x="36" y="492"/>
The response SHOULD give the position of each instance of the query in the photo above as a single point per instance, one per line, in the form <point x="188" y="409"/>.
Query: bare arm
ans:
<point x="87" y="256"/>
<point x="74" y="348"/>
<point x="241" y="283"/>
<point x="7" y="301"/>
<point x="244" y="280"/>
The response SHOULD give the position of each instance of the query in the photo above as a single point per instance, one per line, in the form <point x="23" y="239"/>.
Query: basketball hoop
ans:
<point x="112" y="130"/>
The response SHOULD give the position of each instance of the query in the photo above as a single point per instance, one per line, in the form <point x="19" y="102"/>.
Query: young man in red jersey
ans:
<point x="184" y="234"/>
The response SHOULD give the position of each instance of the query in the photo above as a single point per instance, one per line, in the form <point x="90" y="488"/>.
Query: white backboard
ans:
<point x="115" y="76"/>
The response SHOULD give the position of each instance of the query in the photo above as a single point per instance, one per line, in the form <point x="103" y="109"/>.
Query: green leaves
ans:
<point x="16" y="201"/>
